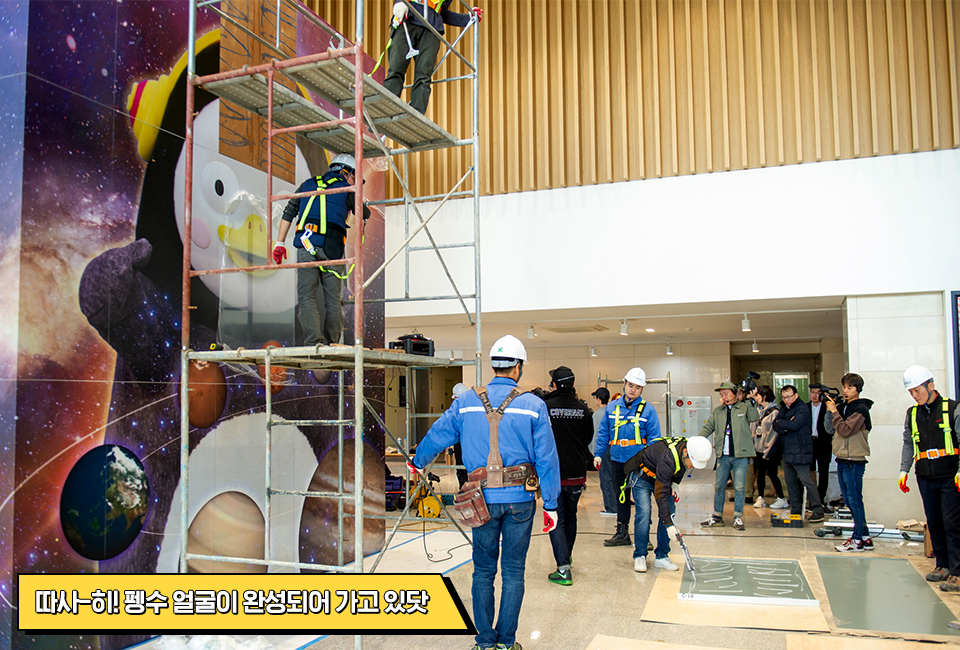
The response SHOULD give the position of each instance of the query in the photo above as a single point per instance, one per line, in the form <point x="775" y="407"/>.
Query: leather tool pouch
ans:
<point x="470" y="506"/>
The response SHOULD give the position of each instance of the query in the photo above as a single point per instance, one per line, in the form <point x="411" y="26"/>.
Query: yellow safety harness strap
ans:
<point x="948" y="448"/>
<point x="321" y="185"/>
<point x="617" y="423"/>
<point x="672" y="444"/>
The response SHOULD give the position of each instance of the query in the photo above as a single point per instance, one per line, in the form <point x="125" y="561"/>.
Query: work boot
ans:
<point x="937" y="575"/>
<point x="620" y="538"/>
<point x="952" y="584"/>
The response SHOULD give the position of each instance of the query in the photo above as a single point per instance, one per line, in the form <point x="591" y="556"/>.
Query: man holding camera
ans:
<point x="793" y="426"/>
<point x="822" y="428"/>
<point x="734" y="447"/>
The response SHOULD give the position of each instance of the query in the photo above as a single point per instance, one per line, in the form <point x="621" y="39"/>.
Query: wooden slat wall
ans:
<point x="580" y="92"/>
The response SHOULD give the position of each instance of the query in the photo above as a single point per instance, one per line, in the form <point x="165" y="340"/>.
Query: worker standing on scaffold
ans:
<point x="418" y="42"/>
<point x="321" y="234"/>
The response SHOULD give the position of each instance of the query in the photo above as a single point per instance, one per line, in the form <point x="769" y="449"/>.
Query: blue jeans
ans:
<point x="511" y="525"/>
<point x="642" y="493"/>
<point x="565" y="534"/>
<point x="727" y="465"/>
<point x="607" y="488"/>
<point x="850" y="477"/>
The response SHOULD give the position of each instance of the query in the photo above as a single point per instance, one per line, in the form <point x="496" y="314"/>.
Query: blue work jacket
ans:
<point x="524" y="436"/>
<point x="648" y="424"/>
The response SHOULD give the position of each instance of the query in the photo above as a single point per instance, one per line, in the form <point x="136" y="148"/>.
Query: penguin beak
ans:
<point x="247" y="245"/>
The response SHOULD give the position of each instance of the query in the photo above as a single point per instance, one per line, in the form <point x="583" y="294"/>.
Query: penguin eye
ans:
<point x="219" y="187"/>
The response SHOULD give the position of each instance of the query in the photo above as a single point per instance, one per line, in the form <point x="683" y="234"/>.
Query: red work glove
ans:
<point x="597" y="461"/>
<point x="549" y="520"/>
<point x="676" y="498"/>
<point x="414" y="470"/>
<point x="279" y="253"/>
<point x="478" y="12"/>
<point x="956" y="481"/>
<point x="902" y="482"/>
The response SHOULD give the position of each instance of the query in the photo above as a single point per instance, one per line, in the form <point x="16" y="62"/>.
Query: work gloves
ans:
<point x="414" y="470"/>
<point x="478" y="13"/>
<point x="902" y="482"/>
<point x="399" y="13"/>
<point x="549" y="520"/>
<point x="279" y="253"/>
<point x="673" y="532"/>
<point x="596" y="462"/>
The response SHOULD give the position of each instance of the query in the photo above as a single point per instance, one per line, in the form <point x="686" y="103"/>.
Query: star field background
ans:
<point x="65" y="71"/>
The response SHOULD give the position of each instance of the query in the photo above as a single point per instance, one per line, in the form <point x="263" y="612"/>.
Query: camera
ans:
<point x="749" y="384"/>
<point x="826" y="392"/>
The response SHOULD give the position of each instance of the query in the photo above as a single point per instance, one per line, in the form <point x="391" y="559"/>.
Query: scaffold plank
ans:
<point x="333" y="80"/>
<point x="291" y="109"/>
<point x="321" y="357"/>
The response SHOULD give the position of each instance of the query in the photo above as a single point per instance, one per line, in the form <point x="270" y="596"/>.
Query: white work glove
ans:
<point x="549" y="520"/>
<point x="673" y="533"/>
<point x="414" y="470"/>
<point x="902" y="482"/>
<point x="399" y="13"/>
<point x="596" y="462"/>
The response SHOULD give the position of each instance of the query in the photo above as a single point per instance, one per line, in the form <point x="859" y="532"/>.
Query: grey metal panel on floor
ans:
<point x="747" y="581"/>
<point x="291" y="109"/>
<point x="333" y="80"/>
<point x="882" y="595"/>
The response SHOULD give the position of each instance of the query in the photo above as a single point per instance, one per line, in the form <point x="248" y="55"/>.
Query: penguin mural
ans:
<point x="132" y="296"/>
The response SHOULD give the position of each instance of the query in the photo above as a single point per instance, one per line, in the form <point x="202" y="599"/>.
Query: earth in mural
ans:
<point x="104" y="502"/>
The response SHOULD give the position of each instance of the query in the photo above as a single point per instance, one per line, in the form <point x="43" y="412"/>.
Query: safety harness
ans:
<point x="322" y="229"/>
<point x="930" y="454"/>
<point x="495" y="475"/>
<point x="617" y="423"/>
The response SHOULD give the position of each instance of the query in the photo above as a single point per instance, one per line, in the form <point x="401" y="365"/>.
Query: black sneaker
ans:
<point x="561" y="577"/>
<point x="867" y="544"/>
<point x="815" y="517"/>
<point x="712" y="521"/>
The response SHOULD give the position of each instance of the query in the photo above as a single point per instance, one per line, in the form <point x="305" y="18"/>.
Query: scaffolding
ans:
<point x="369" y="116"/>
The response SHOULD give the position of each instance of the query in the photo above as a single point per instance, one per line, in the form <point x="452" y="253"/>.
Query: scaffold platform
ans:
<point x="325" y="357"/>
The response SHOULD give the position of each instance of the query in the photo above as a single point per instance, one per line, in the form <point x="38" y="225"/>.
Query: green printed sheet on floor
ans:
<point x="882" y="595"/>
<point x="747" y="581"/>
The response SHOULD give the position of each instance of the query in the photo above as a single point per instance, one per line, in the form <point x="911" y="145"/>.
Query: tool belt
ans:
<point x="624" y="443"/>
<point x="930" y="454"/>
<point x="469" y="503"/>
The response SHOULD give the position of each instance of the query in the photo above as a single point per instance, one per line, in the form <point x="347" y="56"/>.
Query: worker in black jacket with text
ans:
<point x="930" y="440"/>
<point x="793" y="425"/>
<point x="572" y="423"/>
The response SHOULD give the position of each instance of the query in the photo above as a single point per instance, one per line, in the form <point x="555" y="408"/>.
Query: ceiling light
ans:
<point x="650" y="329"/>
<point x="530" y="331"/>
<point x="669" y="350"/>
<point x="745" y="324"/>
<point x="593" y="350"/>
<point x="623" y="327"/>
<point x="755" y="348"/>
<point x="451" y="355"/>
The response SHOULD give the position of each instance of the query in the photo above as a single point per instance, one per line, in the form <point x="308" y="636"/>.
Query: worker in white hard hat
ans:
<point x="729" y="423"/>
<point x="524" y="437"/>
<point x="930" y="442"/>
<point x="629" y="425"/>
<point x="320" y="234"/>
<point x="661" y="464"/>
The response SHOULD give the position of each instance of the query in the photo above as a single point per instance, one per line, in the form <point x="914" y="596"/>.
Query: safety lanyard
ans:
<point x="947" y="431"/>
<point x="617" y="423"/>
<point x="321" y="185"/>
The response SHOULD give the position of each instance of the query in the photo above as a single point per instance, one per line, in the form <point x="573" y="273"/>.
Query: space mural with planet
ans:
<point x="95" y="254"/>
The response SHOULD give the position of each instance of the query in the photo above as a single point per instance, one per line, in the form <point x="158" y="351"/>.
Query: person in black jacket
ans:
<point x="793" y="427"/>
<point x="572" y="424"/>
<point x="822" y="427"/>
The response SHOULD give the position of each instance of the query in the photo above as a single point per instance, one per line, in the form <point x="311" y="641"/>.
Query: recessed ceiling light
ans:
<point x="650" y="329"/>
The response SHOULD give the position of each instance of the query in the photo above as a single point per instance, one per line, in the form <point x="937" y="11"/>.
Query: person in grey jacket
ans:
<point x="767" y="460"/>
<point x="793" y="427"/>
<point x="733" y="444"/>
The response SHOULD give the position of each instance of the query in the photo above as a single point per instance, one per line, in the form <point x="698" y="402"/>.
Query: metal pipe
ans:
<point x="340" y="468"/>
<point x="313" y="19"/>
<point x="270" y="77"/>
<point x="259" y="562"/>
<point x="358" y="284"/>
<point x="423" y="224"/>
<point x="268" y="501"/>
<point x="414" y="249"/>
<point x="432" y="197"/>
<point x="270" y="267"/>
<point x="184" y="456"/>
<point x="187" y="210"/>
<point x="312" y="494"/>
<point x="276" y="65"/>
<point x="242" y="27"/>
<point x="315" y="127"/>
<point x="463" y="32"/>
<point x="358" y="482"/>
<point x="445" y="80"/>
<point x="476" y="201"/>
<point x="406" y="224"/>
<point x="300" y="195"/>
<point x="418" y="298"/>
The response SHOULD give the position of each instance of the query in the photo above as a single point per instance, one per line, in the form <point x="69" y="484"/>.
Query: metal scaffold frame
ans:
<point x="337" y="76"/>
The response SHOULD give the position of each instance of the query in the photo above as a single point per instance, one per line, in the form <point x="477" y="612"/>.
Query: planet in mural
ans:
<point x="104" y="502"/>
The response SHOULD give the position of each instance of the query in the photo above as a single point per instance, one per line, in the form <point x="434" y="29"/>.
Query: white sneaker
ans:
<point x="780" y="504"/>
<point x="604" y="513"/>
<point x="760" y="503"/>
<point x="665" y="564"/>
<point x="640" y="564"/>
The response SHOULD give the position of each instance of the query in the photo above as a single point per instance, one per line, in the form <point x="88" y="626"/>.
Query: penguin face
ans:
<point x="229" y="226"/>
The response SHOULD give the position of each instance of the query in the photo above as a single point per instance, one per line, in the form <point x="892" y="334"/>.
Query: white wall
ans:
<point x="865" y="212"/>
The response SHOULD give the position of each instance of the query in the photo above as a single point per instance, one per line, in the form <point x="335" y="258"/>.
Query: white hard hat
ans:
<point x="343" y="161"/>
<point x="507" y="352"/>
<point x="459" y="389"/>
<point x="636" y="376"/>
<point x="916" y="376"/>
<point x="699" y="450"/>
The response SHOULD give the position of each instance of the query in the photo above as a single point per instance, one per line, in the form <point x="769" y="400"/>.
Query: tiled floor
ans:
<point x="607" y="597"/>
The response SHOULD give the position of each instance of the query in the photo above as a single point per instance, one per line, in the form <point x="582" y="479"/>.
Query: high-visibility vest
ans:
<point x="433" y="4"/>
<point x="929" y="454"/>
<point x="617" y="423"/>
<point x="321" y="185"/>
<point x="672" y="444"/>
